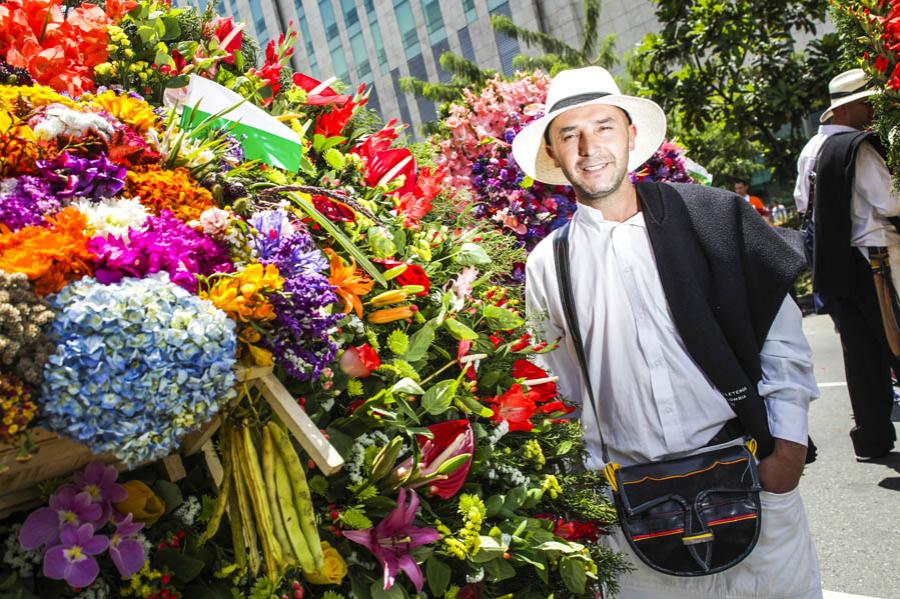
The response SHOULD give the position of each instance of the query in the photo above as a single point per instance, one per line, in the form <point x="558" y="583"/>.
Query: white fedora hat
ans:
<point x="579" y="87"/>
<point x="847" y="87"/>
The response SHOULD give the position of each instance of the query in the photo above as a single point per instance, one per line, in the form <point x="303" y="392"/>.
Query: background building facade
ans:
<point x="379" y="41"/>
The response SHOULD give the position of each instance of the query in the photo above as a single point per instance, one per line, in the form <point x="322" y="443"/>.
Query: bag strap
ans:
<point x="561" y="260"/>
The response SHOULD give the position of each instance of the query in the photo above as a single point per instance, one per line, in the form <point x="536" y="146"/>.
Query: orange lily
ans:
<point x="349" y="284"/>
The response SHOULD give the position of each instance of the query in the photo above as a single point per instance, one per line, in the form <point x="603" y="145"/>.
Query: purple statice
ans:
<point x="71" y="176"/>
<point x="302" y="341"/>
<point x="166" y="244"/>
<point x="26" y="202"/>
<point x="271" y="226"/>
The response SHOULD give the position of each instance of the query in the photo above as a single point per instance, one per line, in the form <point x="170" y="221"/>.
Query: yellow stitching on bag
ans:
<point x="717" y="463"/>
<point x="695" y="539"/>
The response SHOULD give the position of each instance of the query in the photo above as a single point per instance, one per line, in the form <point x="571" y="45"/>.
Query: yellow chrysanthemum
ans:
<point x="135" y="113"/>
<point x="13" y="96"/>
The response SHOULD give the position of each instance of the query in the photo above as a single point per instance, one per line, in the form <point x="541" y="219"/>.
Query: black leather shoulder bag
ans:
<point x="690" y="516"/>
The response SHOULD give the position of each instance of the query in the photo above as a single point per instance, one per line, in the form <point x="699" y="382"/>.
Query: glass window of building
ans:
<point x="308" y="45"/>
<point x="259" y="23"/>
<point x="465" y="44"/>
<point x="470" y="10"/>
<point x="377" y="41"/>
<point x="351" y="17"/>
<point x="434" y="21"/>
<point x="401" y="101"/>
<point x="406" y="22"/>
<point x="329" y="20"/>
<point x="360" y="55"/>
<point x="234" y="9"/>
<point x="438" y="49"/>
<point x="507" y="47"/>
<point x="339" y="62"/>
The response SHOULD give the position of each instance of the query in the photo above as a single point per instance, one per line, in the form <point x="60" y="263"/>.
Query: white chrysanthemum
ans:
<point x="8" y="185"/>
<point x="57" y="120"/>
<point x="113" y="216"/>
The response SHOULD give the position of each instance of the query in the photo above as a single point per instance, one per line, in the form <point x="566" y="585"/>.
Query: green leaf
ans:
<point x="184" y="567"/>
<point x="339" y="236"/>
<point x="515" y="498"/>
<point x="355" y="519"/>
<point x="318" y="484"/>
<point x="561" y="547"/>
<point x="502" y="319"/>
<point x="564" y="448"/>
<point x="437" y="399"/>
<point x="573" y="574"/>
<point x="169" y="493"/>
<point x="472" y="254"/>
<point x="420" y="342"/>
<point x="407" y="385"/>
<point x="459" y="331"/>
<point x="437" y="573"/>
<point x="499" y="569"/>
<point x="378" y="592"/>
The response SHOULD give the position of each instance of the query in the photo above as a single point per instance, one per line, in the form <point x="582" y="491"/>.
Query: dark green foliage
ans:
<point x="734" y="83"/>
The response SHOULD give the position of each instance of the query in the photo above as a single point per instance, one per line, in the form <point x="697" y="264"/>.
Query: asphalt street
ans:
<point x="853" y="508"/>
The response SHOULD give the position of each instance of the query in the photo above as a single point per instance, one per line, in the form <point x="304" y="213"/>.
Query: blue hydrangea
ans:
<point x="138" y="365"/>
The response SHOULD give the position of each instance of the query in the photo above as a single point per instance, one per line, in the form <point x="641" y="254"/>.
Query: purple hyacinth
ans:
<point x="166" y="244"/>
<point x="28" y="203"/>
<point x="125" y="550"/>
<point x="99" y="480"/>
<point x="73" y="559"/>
<point x="73" y="177"/>
<point x="68" y="506"/>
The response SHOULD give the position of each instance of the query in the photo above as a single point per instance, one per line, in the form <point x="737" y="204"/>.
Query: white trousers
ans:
<point x="783" y="565"/>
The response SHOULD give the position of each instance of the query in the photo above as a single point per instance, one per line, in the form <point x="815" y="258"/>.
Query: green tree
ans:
<point x="734" y="84"/>
<point x="557" y="54"/>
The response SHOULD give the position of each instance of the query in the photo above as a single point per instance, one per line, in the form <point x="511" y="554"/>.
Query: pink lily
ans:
<point x="392" y="539"/>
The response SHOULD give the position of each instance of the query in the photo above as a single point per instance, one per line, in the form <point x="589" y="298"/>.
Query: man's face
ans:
<point x="591" y="145"/>
<point x="741" y="188"/>
<point x="857" y="114"/>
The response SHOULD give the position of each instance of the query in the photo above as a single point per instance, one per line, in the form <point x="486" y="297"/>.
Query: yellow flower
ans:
<point x="146" y="505"/>
<point x="136" y="113"/>
<point x="387" y="315"/>
<point x="334" y="568"/>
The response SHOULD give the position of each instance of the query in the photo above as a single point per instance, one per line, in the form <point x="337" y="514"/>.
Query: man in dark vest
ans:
<point x="854" y="210"/>
<point x="681" y="293"/>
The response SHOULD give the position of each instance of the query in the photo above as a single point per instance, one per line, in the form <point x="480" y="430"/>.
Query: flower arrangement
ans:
<point x="24" y="318"/>
<point x="387" y="312"/>
<point x="138" y="365"/>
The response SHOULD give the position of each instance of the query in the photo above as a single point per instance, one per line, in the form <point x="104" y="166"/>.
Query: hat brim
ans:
<point x="529" y="148"/>
<point x="846" y="100"/>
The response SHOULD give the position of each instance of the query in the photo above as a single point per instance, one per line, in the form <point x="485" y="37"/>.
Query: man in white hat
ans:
<point x="852" y="212"/>
<point x="681" y="295"/>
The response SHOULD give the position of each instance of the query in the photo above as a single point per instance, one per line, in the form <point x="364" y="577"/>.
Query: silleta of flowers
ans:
<point x="143" y="255"/>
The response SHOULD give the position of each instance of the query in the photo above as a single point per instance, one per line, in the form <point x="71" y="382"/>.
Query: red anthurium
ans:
<point x="359" y="361"/>
<point x="413" y="275"/>
<point x="450" y="439"/>
<point x="318" y="94"/>
<point x="333" y="210"/>
<point x="387" y="165"/>
<point x="523" y="369"/>
<point x="515" y="407"/>
<point x="229" y="36"/>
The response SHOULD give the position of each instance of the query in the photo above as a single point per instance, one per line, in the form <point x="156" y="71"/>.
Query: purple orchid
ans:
<point x="393" y="538"/>
<point x="126" y="552"/>
<point x="99" y="480"/>
<point x="72" y="560"/>
<point x="68" y="507"/>
<point x="73" y="176"/>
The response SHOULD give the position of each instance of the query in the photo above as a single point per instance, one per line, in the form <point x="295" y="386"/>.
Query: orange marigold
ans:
<point x="160" y="189"/>
<point x="23" y="99"/>
<point x="135" y="113"/>
<point x="51" y="255"/>
<point x="18" y="152"/>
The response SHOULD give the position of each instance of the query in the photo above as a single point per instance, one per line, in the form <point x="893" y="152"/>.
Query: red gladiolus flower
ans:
<point x="322" y="96"/>
<point x="881" y="63"/>
<point x="390" y="164"/>
<point x="413" y="208"/>
<point x="229" y="36"/>
<point x="379" y="141"/>
<point x="331" y="124"/>
<point x="333" y="210"/>
<point x="524" y="342"/>
<point x="515" y="407"/>
<point x="413" y="275"/>
<point x="528" y="371"/>
<point x="556" y="407"/>
<point x="497" y="341"/>
<point x="359" y="361"/>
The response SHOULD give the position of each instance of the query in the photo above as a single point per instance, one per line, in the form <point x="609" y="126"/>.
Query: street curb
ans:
<point x="836" y="595"/>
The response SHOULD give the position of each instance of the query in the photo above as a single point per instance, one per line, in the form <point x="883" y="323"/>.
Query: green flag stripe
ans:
<point x="258" y="144"/>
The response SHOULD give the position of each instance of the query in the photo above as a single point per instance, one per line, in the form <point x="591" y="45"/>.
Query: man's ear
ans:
<point x="632" y="134"/>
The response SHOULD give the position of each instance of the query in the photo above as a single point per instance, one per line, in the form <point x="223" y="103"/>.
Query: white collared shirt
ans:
<point x="872" y="200"/>
<point x="654" y="401"/>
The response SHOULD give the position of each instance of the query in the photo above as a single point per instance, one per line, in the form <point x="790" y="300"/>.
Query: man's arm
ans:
<point x="788" y="385"/>
<point x="873" y="183"/>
